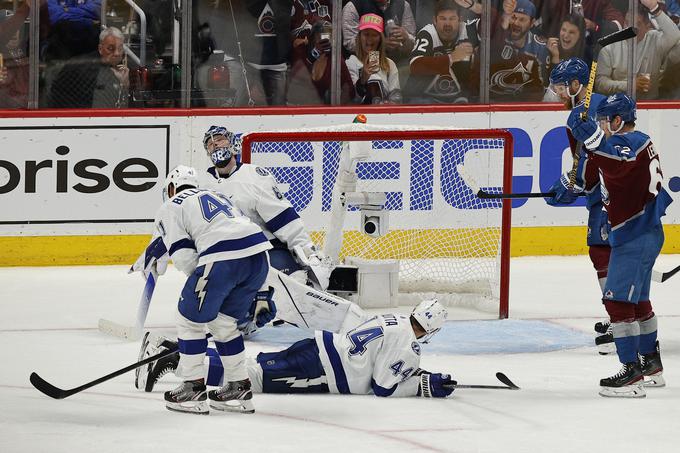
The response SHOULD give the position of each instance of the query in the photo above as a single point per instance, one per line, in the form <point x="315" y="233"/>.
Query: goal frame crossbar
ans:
<point x="414" y="134"/>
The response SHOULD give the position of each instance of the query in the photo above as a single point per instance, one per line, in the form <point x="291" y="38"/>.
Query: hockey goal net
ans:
<point x="447" y="242"/>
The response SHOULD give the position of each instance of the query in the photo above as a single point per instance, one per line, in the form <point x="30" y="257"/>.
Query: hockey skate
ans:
<point x="652" y="368"/>
<point x="604" y="342"/>
<point x="235" y="396"/>
<point x="190" y="397"/>
<point x="147" y="376"/>
<point x="627" y="383"/>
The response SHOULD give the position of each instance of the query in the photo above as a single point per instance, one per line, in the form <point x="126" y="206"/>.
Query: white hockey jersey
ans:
<point x="199" y="226"/>
<point x="378" y="356"/>
<point x="254" y="190"/>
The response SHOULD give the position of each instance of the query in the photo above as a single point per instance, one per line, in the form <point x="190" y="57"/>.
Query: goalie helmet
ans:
<point x="220" y="156"/>
<point x="180" y="177"/>
<point x="430" y="314"/>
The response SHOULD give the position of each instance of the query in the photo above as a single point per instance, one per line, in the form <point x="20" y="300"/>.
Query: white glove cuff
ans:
<point x="594" y="141"/>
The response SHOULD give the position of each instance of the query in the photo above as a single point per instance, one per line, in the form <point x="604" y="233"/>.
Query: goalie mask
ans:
<point x="181" y="177"/>
<point x="221" y="145"/>
<point x="430" y="314"/>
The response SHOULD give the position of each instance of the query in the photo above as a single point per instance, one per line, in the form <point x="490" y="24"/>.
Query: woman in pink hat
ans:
<point x="375" y="76"/>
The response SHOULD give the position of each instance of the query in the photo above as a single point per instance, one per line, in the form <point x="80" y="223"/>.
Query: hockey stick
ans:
<point x="617" y="36"/>
<point x="59" y="394"/>
<point x="133" y="333"/>
<point x="509" y="385"/>
<point x="661" y="277"/>
<point x="472" y="183"/>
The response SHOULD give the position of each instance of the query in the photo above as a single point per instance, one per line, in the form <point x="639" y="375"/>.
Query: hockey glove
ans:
<point x="155" y="257"/>
<point x="435" y="385"/>
<point x="317" y="262"/>
<point x="563" y="194"/>
<point x="588" y="132"/>
<point x="263" y="309"/>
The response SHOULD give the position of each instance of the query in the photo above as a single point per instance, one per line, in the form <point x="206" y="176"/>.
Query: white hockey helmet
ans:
<point x="180" y="177"/>
<point x="430" y="314"/>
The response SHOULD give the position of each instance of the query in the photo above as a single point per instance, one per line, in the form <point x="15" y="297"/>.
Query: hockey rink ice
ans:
<point x="48" y="324"/>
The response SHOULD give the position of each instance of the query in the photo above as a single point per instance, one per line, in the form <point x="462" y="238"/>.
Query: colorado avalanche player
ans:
<point x="568" y="80"/>
<point x="630" y="177"/>
<point x="224" y="256"/>
<point x="254" y="190"/>
<point x="380" y="356"/>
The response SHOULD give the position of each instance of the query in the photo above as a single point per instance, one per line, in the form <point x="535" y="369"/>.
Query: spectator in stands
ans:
<point x="375" y="76"/>
<point x="98" y="80"/>
<point x="652" y="48"/>
<point x="601" y="17"/>
<point x="311" y="69"/>
<point x="265" y="37"/>
<point x="14" y="64"/>
<point x="400" y="27"/>
<point x="441" y="60"/>
<point x="73" y="28"/>
<point x="570" y="43"/>
<point x="673" y="10"/>
<point x="517" y="55"/>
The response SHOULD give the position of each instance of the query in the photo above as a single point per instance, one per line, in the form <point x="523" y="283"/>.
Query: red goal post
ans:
<point x="446" y="239"/>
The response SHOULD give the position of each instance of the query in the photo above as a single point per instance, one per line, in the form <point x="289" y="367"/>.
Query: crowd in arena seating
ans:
<point x="285" y="52"/>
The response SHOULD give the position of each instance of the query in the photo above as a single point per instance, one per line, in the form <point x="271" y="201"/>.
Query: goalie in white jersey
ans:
<point x="255" y="191"/>
<point x="224" y="256"/>
<point x="380" y="356"/>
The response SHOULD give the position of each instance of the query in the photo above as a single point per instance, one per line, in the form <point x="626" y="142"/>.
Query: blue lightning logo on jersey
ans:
<point x="201" y="284"/>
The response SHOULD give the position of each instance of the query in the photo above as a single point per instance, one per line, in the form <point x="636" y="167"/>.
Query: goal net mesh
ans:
<point x="448" y="242"/>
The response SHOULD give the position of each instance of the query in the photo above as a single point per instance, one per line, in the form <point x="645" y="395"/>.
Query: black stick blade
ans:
<point x="47" y="388"/>
<point x="620" y="35"/>
<point x="504" y="379"/>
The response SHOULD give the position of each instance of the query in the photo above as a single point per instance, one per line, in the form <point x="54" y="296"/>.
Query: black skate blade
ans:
<point x="504" y="379"/>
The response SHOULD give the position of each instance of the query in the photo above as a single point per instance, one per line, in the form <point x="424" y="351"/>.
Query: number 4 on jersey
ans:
<point x="211" y="207"/>
<point x="362" y="337"/>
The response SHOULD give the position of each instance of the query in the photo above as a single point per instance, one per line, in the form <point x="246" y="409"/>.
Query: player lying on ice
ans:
<point x="380" y="356"/>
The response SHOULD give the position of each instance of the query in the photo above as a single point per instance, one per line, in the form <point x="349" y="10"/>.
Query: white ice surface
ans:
<point x="48" y="324"/>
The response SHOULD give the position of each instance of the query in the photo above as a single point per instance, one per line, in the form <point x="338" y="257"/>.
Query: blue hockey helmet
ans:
<point x="221" y="156"/>
<point x="568" y="70"/>
<point x="619" y="104"/>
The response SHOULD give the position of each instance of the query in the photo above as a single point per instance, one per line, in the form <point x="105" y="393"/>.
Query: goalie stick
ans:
<point x="59" y="394"/>
<point x="509" y="385"/>
<point x="133" y="333"/>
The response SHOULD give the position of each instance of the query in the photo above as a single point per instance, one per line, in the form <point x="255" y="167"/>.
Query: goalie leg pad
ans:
<point x="307" y="307"/>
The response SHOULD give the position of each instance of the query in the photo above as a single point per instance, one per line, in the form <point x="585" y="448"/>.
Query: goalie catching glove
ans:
<point x="435" y="385"/>
<point x="318" y="264"/>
